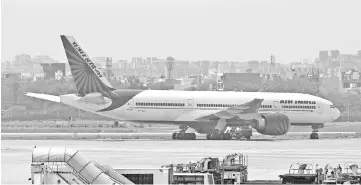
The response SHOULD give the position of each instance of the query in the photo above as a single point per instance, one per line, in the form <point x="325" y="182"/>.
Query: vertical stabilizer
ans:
<point x="87" y="77"/>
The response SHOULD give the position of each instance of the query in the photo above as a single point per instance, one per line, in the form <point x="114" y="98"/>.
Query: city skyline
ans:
<point x="191" y="30"/>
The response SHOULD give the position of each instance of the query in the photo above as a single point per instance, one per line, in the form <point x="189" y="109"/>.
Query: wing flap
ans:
<point x="44" y="97"/>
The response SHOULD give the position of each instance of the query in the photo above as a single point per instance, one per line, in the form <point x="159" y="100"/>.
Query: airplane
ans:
<point x="207" y="112"/>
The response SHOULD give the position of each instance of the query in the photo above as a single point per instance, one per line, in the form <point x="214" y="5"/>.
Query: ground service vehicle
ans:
<point x="299" y="173"/>
<point x="193" y="178"/>
<point x="231" y="170"/>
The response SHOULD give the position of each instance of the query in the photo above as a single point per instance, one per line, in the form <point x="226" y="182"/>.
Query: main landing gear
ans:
<point x="182" y="135"/>
<point x="217" y="135"/>
<point x="314" y="134"/>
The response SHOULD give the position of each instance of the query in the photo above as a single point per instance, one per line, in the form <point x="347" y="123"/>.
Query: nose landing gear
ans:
<point x="314" y="134"/>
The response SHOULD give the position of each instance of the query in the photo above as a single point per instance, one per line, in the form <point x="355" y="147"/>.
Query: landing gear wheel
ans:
<point x="184" y="136"/>
<point x="192" y="136"/>
<point x="314" y="135"/>
<point x="174" y="136"/>
<point x="227" y="136"/>
<point x="180" y="136"/>
<point x="220" y="136"/>
<point x="214" y="136"/>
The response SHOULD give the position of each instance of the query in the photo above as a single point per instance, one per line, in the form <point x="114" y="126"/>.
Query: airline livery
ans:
<point x="209" y="112"/>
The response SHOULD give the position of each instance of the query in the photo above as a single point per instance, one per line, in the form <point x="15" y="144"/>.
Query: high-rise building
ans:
<point x="51" y="69"/>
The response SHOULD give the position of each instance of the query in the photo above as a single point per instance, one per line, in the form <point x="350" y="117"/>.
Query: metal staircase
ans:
<point x="72" y="168"/>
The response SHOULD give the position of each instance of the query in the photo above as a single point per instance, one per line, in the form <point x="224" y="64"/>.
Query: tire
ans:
<point x="238" y="136"/>
<point x="180" y="136"/>
<point x="220" y="136"/>
<point x="190" y="136"/>
<point x="193" y="136"/>
<point x="174" y="136"/>
<point x="209" y="136"/>
<point x="227" y="136"/>
<point x="312" y="136"/>
<point x="248" y="137"/>
<point x="316" y="136"/>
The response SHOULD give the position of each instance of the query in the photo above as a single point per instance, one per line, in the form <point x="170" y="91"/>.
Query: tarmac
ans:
<point x="267" y="158"/>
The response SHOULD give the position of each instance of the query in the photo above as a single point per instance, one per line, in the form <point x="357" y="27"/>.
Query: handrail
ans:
<point x="81" y="166"/>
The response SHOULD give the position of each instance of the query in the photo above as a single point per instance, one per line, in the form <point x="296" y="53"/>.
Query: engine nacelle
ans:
<point x="273" y="124"/>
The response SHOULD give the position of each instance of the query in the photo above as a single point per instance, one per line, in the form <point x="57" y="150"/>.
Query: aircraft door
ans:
<point x="130" y="103"/>
<point x="190" y="103"/>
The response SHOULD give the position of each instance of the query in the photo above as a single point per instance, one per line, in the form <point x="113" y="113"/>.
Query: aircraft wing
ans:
<point x="44" y="97"/>
<point x="245" y="111"/>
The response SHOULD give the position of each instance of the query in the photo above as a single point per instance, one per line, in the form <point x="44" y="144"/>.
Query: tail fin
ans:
<point x="86" y="76"/>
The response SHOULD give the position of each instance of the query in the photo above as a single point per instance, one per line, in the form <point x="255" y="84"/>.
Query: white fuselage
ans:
<point x="183" y="106"/>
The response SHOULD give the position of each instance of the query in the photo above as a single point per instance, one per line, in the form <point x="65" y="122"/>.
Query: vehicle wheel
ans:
<point x="209" y="136"/>
<point x="238" y="136"/>
<point x="248" y="137"/>
<point x="174" y="136"/>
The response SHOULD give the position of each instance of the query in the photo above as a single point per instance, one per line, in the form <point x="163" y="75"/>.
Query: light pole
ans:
<point x="348" y="112"/>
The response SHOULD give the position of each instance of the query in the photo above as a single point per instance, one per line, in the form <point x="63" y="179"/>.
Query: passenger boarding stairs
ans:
<point x="67" y="166"/>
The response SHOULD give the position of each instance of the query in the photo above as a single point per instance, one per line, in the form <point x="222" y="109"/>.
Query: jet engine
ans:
<point x="273" y="124"/>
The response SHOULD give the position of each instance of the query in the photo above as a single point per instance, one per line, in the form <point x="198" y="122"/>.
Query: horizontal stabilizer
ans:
<point x="44" y="97"/>
<point x="95" y="98"/>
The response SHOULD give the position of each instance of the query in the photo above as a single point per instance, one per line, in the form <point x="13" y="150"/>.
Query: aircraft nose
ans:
<point x="337" y="114"/>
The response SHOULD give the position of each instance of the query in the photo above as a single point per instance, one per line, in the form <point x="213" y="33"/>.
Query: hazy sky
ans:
<point x="235" y="30"/>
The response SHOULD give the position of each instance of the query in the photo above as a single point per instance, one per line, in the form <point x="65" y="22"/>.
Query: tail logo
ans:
<point x="87" y="59"/>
